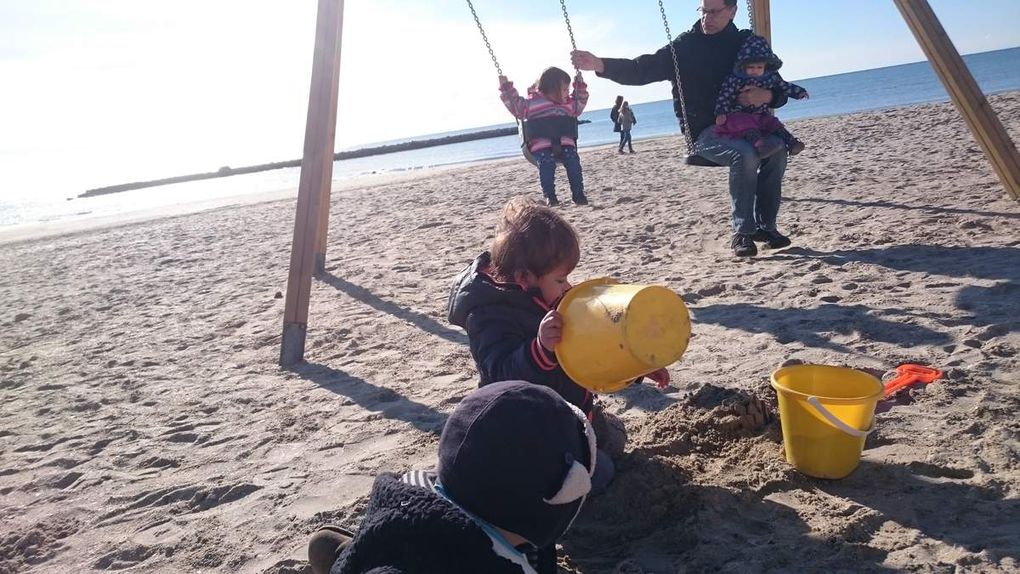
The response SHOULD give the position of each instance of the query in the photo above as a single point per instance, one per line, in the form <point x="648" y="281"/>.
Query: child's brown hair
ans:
<point x="534" y="238"/>
<point x="550" y="81"/>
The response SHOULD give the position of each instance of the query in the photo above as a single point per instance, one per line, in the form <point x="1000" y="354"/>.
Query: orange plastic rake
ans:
<point x="905" y="375"/>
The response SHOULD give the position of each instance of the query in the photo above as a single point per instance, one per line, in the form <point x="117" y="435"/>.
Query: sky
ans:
<point x="99" y="92"/>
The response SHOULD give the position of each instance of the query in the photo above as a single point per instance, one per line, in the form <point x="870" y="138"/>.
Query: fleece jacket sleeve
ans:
<point x="502" y="353"/>
<point x="645" y="69"/>
<point x="513" y="101"/>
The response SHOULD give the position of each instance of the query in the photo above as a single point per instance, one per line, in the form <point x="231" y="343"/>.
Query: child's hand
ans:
<point x="661" y="378"/>
<point x="503" y="81"/>
<point x="550" y="330"/>
<point x="805" y="96"/>
<point x="720" y="119"/>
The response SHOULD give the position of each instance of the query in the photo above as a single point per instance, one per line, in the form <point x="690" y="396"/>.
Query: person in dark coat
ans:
<point x="614" y="115"/>
<point x="705" y="56"/>
<point x="506" y="486"/>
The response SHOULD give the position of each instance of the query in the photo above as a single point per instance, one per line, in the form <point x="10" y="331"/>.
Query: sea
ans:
<point x="880" y="88"/>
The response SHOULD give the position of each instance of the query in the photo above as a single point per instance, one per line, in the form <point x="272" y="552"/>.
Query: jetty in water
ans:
<point x="227" y="171"/>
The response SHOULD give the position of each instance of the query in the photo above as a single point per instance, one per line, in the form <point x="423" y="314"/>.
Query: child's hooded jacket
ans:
<point x="502" y="320"/>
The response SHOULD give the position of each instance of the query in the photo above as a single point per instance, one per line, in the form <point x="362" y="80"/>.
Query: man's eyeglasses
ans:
<point x="712" y="12"/>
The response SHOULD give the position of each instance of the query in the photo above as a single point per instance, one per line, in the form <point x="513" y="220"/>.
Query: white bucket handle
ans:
<point x="836" y="422"/>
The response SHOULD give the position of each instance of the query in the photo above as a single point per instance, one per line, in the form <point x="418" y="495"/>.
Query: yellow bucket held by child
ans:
<point x="614" y="333"/>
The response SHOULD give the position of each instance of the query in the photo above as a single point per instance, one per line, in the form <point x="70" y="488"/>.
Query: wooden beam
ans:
<point x="761" y="19"/>
<point x="316" y="175"/>
<point x="323" y="236"/>
<point x="964" y="91"/>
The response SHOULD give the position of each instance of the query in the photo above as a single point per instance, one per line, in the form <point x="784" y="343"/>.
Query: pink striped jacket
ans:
<point x="536" y="105"/>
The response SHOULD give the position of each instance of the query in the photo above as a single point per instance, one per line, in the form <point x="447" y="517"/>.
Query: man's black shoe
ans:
<point x="743" y="246"/>
<point x="773" y="239"/>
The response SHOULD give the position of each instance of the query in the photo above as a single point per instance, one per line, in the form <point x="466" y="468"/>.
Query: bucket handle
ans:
<point x="836" y="422"/>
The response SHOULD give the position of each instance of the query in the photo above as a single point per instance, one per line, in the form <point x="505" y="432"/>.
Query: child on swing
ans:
<point x="506" y="301"/>
<point x="550" y="98"/>
<point x="756" y="66"/>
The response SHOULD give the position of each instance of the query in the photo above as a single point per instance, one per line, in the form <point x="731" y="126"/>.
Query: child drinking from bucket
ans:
<point x="550" y="112"/>
<point x="506" y="301"/>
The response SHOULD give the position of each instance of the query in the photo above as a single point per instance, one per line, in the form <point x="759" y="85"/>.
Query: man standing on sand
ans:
<point x="706" y="55"/>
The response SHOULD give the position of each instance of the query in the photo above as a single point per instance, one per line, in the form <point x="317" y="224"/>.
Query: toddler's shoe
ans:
<point x="552" y="201"/>
<point x="580" y="199"/>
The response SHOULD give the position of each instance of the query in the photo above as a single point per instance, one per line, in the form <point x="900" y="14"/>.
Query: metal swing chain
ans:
<point x="676" y="70"/>
<point x="488" y="46"/>
<point x="679" y="88"/>
<point x="570" y="31"/>
<point x="563" y="6"/>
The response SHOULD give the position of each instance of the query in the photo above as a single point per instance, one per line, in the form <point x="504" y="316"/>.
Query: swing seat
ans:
<point x="551" y="128"/>
<point x="699" y="161"/>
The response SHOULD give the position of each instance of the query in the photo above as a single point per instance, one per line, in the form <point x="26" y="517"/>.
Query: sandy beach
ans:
<point x="146" y="425"/>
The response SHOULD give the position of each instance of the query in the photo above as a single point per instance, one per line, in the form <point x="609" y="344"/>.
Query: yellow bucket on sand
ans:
<point x="614" y="333"/>
<point x="826" y="413"/>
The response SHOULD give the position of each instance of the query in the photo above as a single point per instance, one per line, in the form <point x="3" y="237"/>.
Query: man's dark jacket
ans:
<point x="501" y="320"/>
<point x="705" y="60"/>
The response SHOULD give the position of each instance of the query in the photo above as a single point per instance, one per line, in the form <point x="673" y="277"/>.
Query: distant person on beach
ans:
<point x="550" y="112"/>
<point x="627" y="121"/>
<point x="515" y="466"/>
<point x="506" y="301"/>
<point x="614" y="115"/>
<point x="706" y="54"/>
<point x="758" y="66"/>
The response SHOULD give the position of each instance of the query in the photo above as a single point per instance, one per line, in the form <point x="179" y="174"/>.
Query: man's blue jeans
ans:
<point x="547" y="171"/>
<point x="756" y="185"/>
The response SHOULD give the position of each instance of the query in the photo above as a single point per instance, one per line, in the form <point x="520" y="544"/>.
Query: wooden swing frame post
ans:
<point x="970" y="101"/>
<point x="312" y="217"/>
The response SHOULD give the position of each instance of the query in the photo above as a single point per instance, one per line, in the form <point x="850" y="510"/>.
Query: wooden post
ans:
<point x="964" y="91"/>
<point x="761" y="20"/>
<point x="327" y="184"/>
<point x="316" y="175"/>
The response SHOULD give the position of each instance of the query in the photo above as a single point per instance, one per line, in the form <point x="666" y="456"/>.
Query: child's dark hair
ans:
<point x="550" y="81"/>
<point x="532" y="237"/>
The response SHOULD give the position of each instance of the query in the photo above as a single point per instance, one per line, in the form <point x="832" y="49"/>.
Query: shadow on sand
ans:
<point x="996" y="304"/>
<point x="668" y="523"/>
<point x="902" y="206"/>
<point x="423" y="322"/>
<point x="813" y="326"/>
<point x="388" y="403"/>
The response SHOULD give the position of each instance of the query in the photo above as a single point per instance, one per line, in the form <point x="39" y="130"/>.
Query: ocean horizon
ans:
<point x="839" y="94"/>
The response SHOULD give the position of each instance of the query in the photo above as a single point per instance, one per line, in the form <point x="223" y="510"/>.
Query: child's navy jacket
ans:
<point x="501" y="320"/>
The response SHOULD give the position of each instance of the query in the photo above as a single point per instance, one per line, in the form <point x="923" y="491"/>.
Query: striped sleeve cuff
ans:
<point x="545" y="360"/>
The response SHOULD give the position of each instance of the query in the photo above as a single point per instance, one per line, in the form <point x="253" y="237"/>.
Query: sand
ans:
<point x="147" y="426"/>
